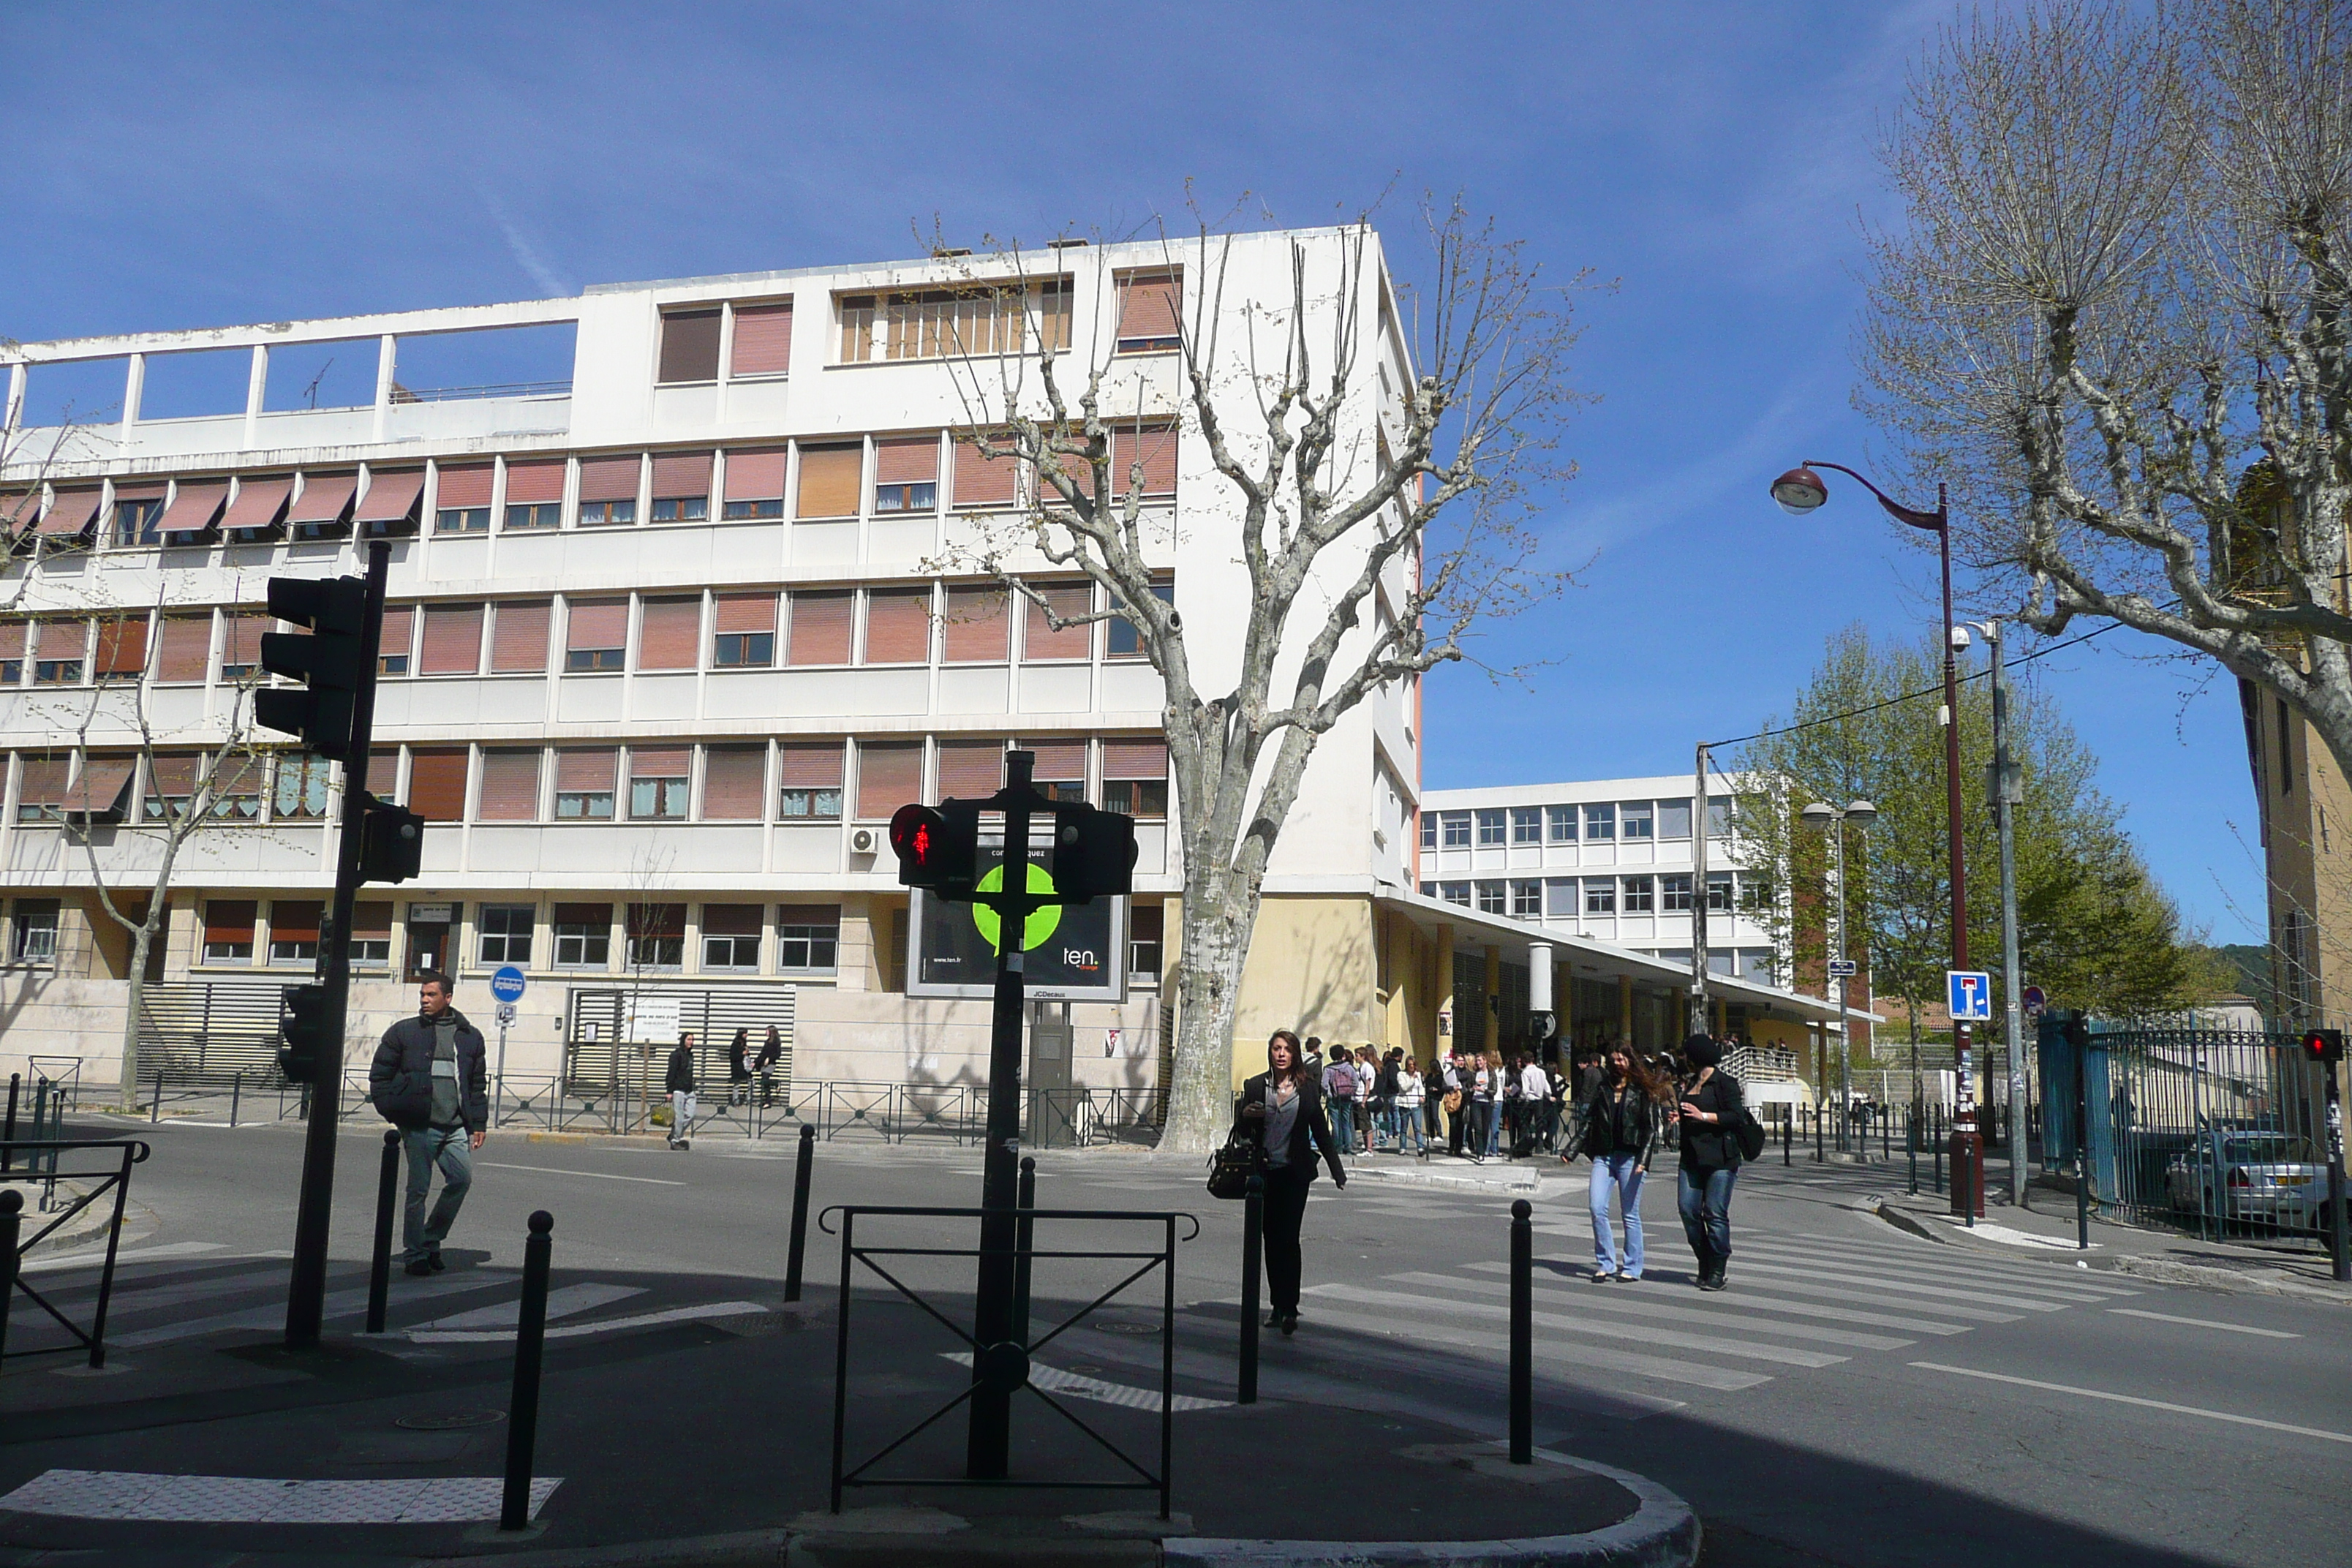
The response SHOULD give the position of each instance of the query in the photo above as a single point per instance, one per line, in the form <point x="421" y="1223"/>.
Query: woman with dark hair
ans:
<point x="1621" y="1132"/>
<point x="1710" y="1115"/>
<point x="772" y="1051"/>
<point x="1284" y="1105"/>
<point x="739" y="1070"/>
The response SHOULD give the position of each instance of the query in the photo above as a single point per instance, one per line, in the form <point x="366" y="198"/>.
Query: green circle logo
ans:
<point x="1041" y="922"/>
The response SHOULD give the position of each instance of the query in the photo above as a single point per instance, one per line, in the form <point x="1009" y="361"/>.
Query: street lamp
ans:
<point x="2004" y="787"/>
<point x="1861" y="814"/>
<point x="1802" y="490"/>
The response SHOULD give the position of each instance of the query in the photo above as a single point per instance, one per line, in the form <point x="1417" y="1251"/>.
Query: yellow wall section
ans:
<point x="1311" y="968"/>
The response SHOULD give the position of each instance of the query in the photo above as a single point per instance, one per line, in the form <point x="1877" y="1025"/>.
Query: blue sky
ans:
<point x="178" y="165"/>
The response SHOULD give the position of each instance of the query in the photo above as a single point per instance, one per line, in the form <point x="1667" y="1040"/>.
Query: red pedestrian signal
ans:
<point x="933" y="851"/>
<point x="2325" y="1046"/>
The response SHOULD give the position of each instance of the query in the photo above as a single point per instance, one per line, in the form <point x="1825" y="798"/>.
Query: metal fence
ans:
<point x="2219" y="1132"/>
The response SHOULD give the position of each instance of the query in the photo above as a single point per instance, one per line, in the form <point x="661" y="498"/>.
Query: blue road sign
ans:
<point x="1970" y="995"/>
<point x="506" y="984"/>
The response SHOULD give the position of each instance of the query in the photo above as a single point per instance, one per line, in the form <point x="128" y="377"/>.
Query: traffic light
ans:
<point x="1094" y="853"/>
<point x="937" y="849"/>
<point x="303" y="1027"/>
<point x="391" y="842"/>
<point x="2323" y="1045"/>
<point x="327" y="660"/>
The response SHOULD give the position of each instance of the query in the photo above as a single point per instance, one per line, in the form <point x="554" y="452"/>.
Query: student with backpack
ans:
<point x="1716" y="1134"/>
<point x="1340" y="1094"/>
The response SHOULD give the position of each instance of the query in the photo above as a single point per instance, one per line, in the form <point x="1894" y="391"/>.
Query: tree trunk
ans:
<point x="142" y="939"/>
<point x="1208" y="985"/>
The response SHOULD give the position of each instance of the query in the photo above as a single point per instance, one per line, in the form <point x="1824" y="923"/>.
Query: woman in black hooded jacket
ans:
<point x="1709" y="1116"/>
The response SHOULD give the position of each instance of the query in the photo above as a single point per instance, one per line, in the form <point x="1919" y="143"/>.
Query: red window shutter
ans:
<point x="763" y="340"/>
<point x="43" y="781"/>
<point x="195" y="508"/>
<point x="259" y="503"/>
<point x="609" y="479"/>
<point x="1156" y="446"/>
<point x="734" y="783"/>
<point x="183" y="651"/>
<point x="808" y="914"/>
<point x="519" y="636"/>
<point x="803" y="766"/>
<point x="466" y="485"/>
<point x="899" y="626"/>
<point x="1067" y="599"/>
<point x="1058" y="761"/>
<point x="324" y="499"/>
<point x="229" y="921"/>
<point x="384" y="773"/>
<point x="294" y="920"/>
<point x="371" y="920"/>
<point x="971" y="770"/>
<point x="173" y="775"/>
<point x="677" y="474"/>
<point x="509" y="786"/>
<point x="391" y="495"/>
<point x="437" y="783"/>
<point x="829" y="477"/>
<point x="453" y="639"/>
<point x="736" y="613"/>
<point x="1135" y="758"/>
<point x="981" y="480"/>
<point x="19" y="509"/>
<point x="65" y="640"/>
<point x="399" y="631"/>
<point x="535" y="484"/>
<point x="978" y="630"/>
<point x="888" y="776"/>
<point x="12" y="641"/>
<point x="689" y="346"/>
<point x="821" y="627"/>
<point x="597" y="624"/>
<point x="101" y="783"/>
<point x="70" y="513"/>
<point x="122" y="645"/>
<point x="670" y="637"/>
<point x="660" y="762"/>
<point x="587" y="769"/>
<point x="906" y="459"/>
<point x="732" y="920"/>
<point x="1147" y="306"/>
<point x="756" y="474"/>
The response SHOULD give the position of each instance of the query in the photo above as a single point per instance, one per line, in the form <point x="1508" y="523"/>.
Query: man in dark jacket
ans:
<point x="430" y="1081"/>
<point x="679" y="1081"/>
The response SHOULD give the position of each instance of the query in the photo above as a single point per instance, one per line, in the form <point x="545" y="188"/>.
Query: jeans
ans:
<point x="1619" y="1174"/>
<point x="1704" y="1195"/>
<point x="1284" y="1213"/>
<point x="1403" y="1122"/>
<point x="427" y="1147"/>
<point x="1343" y="1124"/>
<point x="681" y="1115"/>
<point x="1486" y="1125"/>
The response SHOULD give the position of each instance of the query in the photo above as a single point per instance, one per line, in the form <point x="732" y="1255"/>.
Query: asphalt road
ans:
<point x="1856" y="1397"/>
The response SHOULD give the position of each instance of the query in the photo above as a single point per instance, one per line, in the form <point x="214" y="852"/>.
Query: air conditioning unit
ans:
<point x="864" y="841"/>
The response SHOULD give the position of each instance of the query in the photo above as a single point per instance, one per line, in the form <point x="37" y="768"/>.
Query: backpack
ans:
<point x="1343" y="1083"/>
<point x="1748" y="1130"/>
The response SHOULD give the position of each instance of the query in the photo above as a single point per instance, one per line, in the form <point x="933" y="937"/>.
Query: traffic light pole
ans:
<point x="2339" y="1254"/>
<point x="306" y="1294"/>
<point x="989" y="1443"/>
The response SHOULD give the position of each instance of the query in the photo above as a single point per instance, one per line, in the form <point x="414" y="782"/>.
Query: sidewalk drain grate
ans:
<point x="451" y="1420"/>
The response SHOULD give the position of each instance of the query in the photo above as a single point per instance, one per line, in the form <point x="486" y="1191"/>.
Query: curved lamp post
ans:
<point x="1821" y="815"/>
<point x="1802" y="490"/>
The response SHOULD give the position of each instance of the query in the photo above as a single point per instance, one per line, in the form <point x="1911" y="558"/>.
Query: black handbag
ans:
<point x="1231" y="1167"/>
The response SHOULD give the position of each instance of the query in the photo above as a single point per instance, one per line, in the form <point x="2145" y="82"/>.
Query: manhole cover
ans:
<point x="1114" y="1326"/>
<point x="451" y="1420"/>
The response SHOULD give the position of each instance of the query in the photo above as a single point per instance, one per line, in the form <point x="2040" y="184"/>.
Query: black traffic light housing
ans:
<point x="303" y="1027"/>
<point x="391" y="842"/>
<point x="1094" y="853"/>
<point x="937" y="848"/>
<point x="2323" y="1045"/>
<point x="327" y="660"/>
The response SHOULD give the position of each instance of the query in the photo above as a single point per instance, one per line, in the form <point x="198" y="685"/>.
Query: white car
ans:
<point x="2247" y="1174"/>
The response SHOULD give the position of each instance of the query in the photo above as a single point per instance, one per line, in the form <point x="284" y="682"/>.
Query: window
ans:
<point x="981" y="480"/>
<point x="1633" y="819"/>
<point x="33" y="934"/>
<point x="597" y="638"/>
<point x="138" y="518"/>
<point x="535" y="494"/>
<point x="1674" y="819"/>
<point x="393" y="650"/>
<point x="682" y="487"/>
<point x="808" y="938"/>
<point x="1490" y="898"/>
<point x="657" y="936"/>
<point x="1428" y="829"/>
<point x="608" y="490"/>
<point x="947" y="324"/>
<point x="763" y="339"/>
<point x="888" y="776"/>
<point x="58" y="650"/>
<point x="1718" y="892"/>
<point x="302" y="792"/>
<point x="294" y="930"/>
<point x="461" y="500"/>
<point x="1490" y="828"/>
<point x="519" y="636"/>
<point x="1135" y="778"/>
<point x="453" y="639"/>
<point x="657" y="782"/>
<point x="371" y="935"/>
<point x="584" y="786"/>
<point x="389" y="508"/>
<point x="899" y="626"/>
<point x="1069" y="602"/>
<point x="41" y="790"/>
<point x="906" y="474"/>
<point x="690" y="346"/>
<point x="1061" y="770"/>
<point x="1560" y="823"/>
<point x="509" y="786"/>
<point x="1458" y="829"/>
<point x="829" y="478"/>
<point x="670" y="633"/>
<point x="731" y="936"/>
<point x="505" y="935"/>
<point x="1600" y="822"/>
<point x="583" y="935"/>
<point x="1675" y="894"/>
<point x="604" y="514"/>
<point x="1526" y="825"/>
<point x="821" y="627"/>
<point x="1454" y="893"/>
<point x="123" y="646"/>
<point x="241" y="645"/>
<point x="172" y="781"/>
<point x="1719" y="815"/>
<point x="1754" y="892"/>
<point x="1560" y="900"/>
<point x="1146" y="931"/>
<point x="437" y="783"/>
<point x="755" y="484"/>
<point x="976" y="628"/>
<point x="467" y="519"/>
<point x="237" y="785"/>
<point x="743" y="634"/>
<point x="1600" y="896"/>
<point x="734" y="783"/>
<point x="228" y="930"/>
<point x="1147" y="303"/>
<point x="1126" y="637"/>
<point x="811" y="783"/>
<point x="1526" y="900"/>
<point x="1756" y="966"/>
<point x="1641" y="895"/>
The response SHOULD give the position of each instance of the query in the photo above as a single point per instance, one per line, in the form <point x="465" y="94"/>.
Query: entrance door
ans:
<point x="429" y="926"/>
<point x="1052" y="1108"/>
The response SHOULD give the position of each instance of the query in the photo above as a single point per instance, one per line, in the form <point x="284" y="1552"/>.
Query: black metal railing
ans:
<point x="106" y="1169"/>
<point x="1006" y="1368"/>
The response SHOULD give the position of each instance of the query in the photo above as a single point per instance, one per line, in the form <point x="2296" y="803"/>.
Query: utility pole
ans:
<point x="1701" y="820"/>
<point x="2004" y="786"/>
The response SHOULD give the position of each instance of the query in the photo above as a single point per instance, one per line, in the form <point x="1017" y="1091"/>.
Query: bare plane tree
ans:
<point x="1374" y="527"/>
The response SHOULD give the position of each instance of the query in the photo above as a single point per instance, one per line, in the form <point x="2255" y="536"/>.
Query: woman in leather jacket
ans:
<point x="1283" y="1106"/>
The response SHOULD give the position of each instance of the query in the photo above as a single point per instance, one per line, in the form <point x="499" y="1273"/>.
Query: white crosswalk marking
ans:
<point x="1627" y="1303"/>
<point x="565" y="1302"/>
<point x="338" y="1303"/>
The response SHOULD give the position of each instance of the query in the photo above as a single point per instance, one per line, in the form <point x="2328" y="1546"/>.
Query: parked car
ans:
<point x="2260" y="1175"/>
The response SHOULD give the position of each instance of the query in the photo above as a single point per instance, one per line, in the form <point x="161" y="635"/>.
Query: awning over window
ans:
<point x="260" y="508"/>
<point x="390" y="499"/>
<point x="70" y="513"/>
<point x="326" y="498"/>
<point x="194" y="510"/>
<point x="102" y="792"/>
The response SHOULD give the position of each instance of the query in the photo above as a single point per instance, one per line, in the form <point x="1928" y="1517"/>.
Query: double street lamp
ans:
<point x="1861" y="814"/>
<point x="1802" y="490"/>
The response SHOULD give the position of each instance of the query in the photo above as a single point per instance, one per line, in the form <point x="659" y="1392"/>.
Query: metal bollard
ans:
<point x="155" y="1111"/>
<point x="522" y="1405"/>
<point x="1818" y="1121"/>
<point x="1788" y="1132"/>
<point x="1936" y="1143"/>
<point x="1886" y="1133"/>
<point x="387" y="1185"/>
<point x="1911" y="1146"/>
<point x="12" y="1222"/>
<point x="800" y="1212"/>
<point x="1253" y="1231"/>
<point x="1523" y="1333"/>
<point x="1024" y="1236"/>
<point x="8" y="1136"/>
<point x="235" y="1093"/>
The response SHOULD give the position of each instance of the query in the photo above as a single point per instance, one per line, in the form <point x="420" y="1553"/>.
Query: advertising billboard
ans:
<point x="1073" y="955"/>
